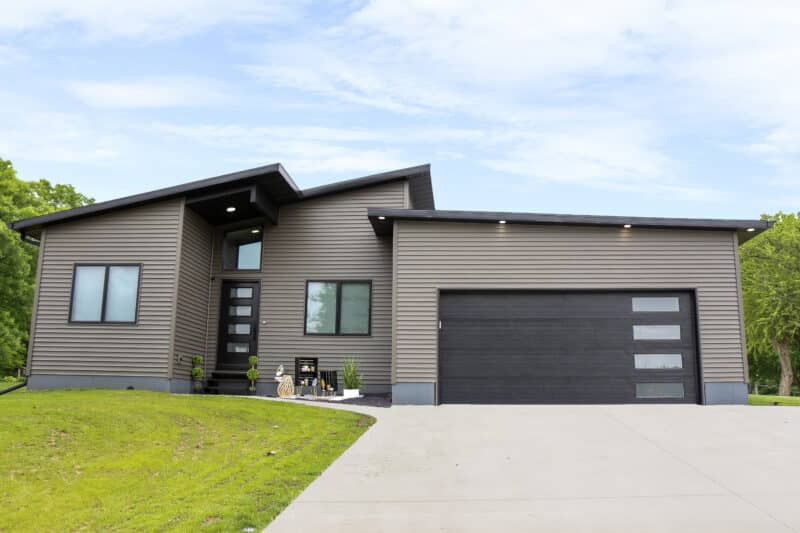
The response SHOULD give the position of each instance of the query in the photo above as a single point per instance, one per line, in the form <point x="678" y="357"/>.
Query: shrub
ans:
<point x="352" y="379"/>
<point x="198" y="373"/>
<point x="252" y="373"/>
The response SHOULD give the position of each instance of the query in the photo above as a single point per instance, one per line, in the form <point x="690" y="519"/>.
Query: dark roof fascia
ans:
<point x="152" y="196"/>
<point x="34" y="224"/>
<point x="366" y="181"/>
<point x="384" y="226"/>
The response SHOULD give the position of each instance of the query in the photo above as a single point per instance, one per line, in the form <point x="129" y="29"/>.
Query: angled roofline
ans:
<point x="381" y="219"/>
<point x="152" y="196"/>
<point x="192" y="187"/>
<point x="423" y="171"/>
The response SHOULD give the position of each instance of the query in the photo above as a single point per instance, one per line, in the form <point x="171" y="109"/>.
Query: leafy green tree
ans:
<point x="22" y="199"/>
<point x="771" y="288"/>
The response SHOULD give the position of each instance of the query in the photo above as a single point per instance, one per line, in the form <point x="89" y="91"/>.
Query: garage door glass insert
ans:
<point x="567" y="347"/>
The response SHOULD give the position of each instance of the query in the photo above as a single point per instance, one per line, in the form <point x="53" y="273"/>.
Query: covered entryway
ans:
<point x="567" y="347"/>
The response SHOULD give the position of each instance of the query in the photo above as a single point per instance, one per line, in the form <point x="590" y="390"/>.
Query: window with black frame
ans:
<point x="241" y="249"/>
<point x="105" y="293"/>
<point x="338" y="307"/>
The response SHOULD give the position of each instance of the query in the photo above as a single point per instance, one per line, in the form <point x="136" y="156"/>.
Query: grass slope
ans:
<point x="760" y="399"/>
<point x="134" y="460"/>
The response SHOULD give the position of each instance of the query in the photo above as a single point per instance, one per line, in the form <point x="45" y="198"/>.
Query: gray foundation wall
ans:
<point x="45" y="381"/>
<point x="725" y="394"/>
<point x="414" y="394"/>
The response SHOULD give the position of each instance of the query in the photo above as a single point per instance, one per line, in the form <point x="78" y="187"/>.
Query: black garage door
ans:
<point x="574" y="347"/>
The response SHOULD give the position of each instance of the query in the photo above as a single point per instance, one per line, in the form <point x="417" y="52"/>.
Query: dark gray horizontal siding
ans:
<point x="147" y="235"/>
<point x="326" y="238"/>
<point x="461" y="255"/>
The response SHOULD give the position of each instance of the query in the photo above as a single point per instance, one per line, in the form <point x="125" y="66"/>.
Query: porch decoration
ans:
<point x="285" y="384"/>
<point x="198" y="373"/>
<point x="252" y="373"/>
<point x="352" y="379"/>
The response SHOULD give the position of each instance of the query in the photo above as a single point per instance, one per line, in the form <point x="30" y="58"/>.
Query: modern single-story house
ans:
<point x="435" y="306"/>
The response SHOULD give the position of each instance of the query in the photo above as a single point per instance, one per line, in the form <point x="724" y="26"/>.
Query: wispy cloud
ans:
<point x="56" y="136"/>
<point x="310" y="150"/>
<point x="142" y="19"/>
<point x="152" y="93"/>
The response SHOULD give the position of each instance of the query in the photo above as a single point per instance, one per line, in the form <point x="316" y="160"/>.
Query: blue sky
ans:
<point x="617" y="107"/>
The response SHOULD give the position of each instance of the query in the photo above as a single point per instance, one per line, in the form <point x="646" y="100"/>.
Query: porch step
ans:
<point x="227" y="382"/>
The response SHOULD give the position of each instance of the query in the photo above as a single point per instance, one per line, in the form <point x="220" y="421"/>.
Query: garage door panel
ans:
<point x="517" y="347"/>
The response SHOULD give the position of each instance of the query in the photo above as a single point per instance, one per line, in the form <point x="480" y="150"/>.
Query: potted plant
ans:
<point x="198" y="373"/>
<point x="252" y="374"/>
<point x="352" y="379"/>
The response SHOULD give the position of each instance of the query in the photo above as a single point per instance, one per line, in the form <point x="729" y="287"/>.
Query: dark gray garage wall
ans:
<point x="457" y="255"/>
<point x="326" y="238"/>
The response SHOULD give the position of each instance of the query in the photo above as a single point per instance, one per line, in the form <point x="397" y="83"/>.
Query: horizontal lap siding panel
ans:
<point x="452" y="255"/>
<point x="146" y="235"/>
<point x="193" y="294"/>
<point x="328" y="238"/>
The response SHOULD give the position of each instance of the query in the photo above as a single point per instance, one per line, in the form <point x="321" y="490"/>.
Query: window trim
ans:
<point x="239" y="227"/>
<point x="337" y="330"/>
<point x="103" y="302"/>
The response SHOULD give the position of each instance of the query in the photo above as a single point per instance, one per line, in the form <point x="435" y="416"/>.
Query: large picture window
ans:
<point x="338" y="307"/>
<point x="105" y="293"/>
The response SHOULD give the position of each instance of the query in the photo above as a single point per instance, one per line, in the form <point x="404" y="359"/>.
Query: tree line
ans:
<point x="770" y="265"/>
<point x="22" y="199"/>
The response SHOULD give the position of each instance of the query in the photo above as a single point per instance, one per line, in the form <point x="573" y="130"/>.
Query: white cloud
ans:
<point x="149" y="19"/>
<point x="54" y="136"/>
<point x="538" y="65"/>
<point x="311" y="150"/>
<point x="149" y="93"/>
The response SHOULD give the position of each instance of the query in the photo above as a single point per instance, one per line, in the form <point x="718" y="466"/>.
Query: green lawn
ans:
<point x="756" y="399"/>
<point x="134" y="460"/>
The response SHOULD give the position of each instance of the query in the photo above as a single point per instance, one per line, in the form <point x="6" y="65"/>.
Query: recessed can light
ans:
<point x="230" y="209"/>
<point x="627" y="226"/>
<point x="381" y="218"/>
<point x="255" y="230"/>
<point x="751" y="229"/>
<point x="501" y="221"/>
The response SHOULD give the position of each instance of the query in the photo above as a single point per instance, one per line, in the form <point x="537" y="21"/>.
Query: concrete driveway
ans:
<point x="561" y="468"/>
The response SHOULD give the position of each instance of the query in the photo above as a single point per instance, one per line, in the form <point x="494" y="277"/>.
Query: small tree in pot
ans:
<point x="198" y="373"/>
<point x="252" y="374"/>
<point x="352" y="379"/>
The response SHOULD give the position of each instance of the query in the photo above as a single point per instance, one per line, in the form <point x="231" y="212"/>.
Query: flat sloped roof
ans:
<point x="381" y="219"/>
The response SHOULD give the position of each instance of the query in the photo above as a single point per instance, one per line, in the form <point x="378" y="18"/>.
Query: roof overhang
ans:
<point x="382" y="220"/>
<point x="271" y="181"/>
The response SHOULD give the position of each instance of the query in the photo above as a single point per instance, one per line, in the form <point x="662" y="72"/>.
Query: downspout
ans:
<point x="208" y="300"/>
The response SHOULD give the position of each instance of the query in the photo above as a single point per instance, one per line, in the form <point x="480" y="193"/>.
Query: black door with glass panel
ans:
<point x="238" y="324"/>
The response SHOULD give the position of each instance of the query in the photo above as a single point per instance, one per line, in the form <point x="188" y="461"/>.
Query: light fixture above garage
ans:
<point x="751" y="229"/>
<point x="255" y="231"/>
<point x="627" y="226"/>
<point x="501" y="221"/>
<point x="381" y="218"/>
<point x="230" y="209"/>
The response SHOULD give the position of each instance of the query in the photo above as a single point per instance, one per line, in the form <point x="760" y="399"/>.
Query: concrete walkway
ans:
<point x="561" y="468"/>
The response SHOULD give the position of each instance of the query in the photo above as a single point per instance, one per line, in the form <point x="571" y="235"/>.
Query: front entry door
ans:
<point x="238" y="324"/>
